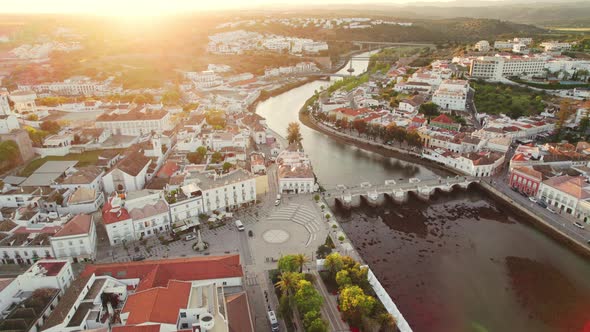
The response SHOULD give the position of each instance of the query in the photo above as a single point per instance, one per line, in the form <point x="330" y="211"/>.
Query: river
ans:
<point x="460" y="262"/>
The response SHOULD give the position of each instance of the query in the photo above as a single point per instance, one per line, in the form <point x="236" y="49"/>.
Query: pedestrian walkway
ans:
<point x="301" y="215"/>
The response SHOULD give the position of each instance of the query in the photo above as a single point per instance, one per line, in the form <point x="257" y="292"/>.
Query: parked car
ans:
<point x="532" y="199"/>
<point x="138" y="258"/>
<point x="239" y="225"/>
<point x="541" y="204"/>
<point x="277" y="202"/>
<point x="579" y="225"/>
<point x="550" y="209"/>
<point x="190" y="237"/>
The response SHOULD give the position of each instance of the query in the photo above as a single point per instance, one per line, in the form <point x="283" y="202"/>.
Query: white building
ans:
<point x="76" y="239"/>
<point x="295" y="172"/>
<point x="482" y="46"/>
<point x="452" y="95"/>
<point x="554" y="46"/>
<point x="135" y="122"/>
<point x="565" y="192"/>
<point x="198" y="293"/>
<point x="495" y="68"/>
<point x="4" y="104"/>
<point x="129" y="174"/>
<point x="140" y="214"/>
<point x="24" y="101"/>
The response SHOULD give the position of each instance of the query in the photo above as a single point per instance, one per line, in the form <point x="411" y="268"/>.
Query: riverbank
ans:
<point x="264" y="95"/>
<point x="538" y="222"/>
<point x="441" y="170"/>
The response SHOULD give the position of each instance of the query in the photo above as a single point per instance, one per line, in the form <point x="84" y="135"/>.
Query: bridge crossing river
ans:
<point x="399" y="190"/>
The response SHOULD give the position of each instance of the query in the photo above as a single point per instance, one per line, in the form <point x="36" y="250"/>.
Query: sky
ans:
<point x="158" y="7"/>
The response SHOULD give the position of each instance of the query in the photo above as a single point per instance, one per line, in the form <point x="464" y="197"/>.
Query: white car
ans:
<point x="577" y="224"/>
<point x="277" y="202"/>
<point x="551" y="210"/>
<point x="190" y="237"/>
<point x="532" y="199"/>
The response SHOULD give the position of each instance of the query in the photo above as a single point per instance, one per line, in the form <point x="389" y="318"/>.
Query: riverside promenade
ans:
<point x="345" y="247"/>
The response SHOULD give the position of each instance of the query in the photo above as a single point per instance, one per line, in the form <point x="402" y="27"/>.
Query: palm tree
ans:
<point x="287" y="283"/>
<point x="301" y="259"/>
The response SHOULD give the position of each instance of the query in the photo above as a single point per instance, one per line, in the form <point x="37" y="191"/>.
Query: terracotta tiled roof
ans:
<point x="443" y="119"/>
<point x="571" y="185"/>
<point x="79" y="225"/>
<point x="133" y="163"/>
<point x="156" y="273"/>
<point x="238" y="312"/>
<point x="168" y="169"/>
<point x="109" y="217"/>
<point x="529" y="171"/>
<point x="158" y="305"/>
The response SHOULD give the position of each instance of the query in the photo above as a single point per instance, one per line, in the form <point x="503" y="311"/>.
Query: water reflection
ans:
<point x="449" y="264"/>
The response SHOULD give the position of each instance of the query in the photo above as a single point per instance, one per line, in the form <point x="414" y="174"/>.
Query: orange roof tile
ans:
<point x="158" y="305"/>
<point x="156" y="273"/>
<point x="79" y="225"/>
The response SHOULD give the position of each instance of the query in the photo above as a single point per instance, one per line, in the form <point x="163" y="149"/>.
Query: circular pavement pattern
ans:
<point x="275" y="236"/>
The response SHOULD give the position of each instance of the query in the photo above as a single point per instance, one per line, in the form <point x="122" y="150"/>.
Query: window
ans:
<point x="183" y="315"/>
<point x="184" y="326"/>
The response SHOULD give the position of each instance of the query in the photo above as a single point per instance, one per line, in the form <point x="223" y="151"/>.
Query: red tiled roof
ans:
<point x="52" y="268"/>
<point x="158" y="305"/>
<point x="443" y="119"/>
<point x="418" y="120"/>
<point x="351" y="111"/>
<point x="80" y="224"/>
<point x="238" y="312"/>
<point x="571" y="185"/>
<point x="168" y="169"/>
<point x="156" y="273"/>
<point x="529" y="171"/>
<point x="110" y="217"/>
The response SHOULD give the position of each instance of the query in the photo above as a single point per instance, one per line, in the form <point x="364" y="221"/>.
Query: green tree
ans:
<point x="318" y="325"/>
<point x="294" y="134"/>
<point x="194" y="157"/>
<point x="9" y="152"/>
<point x="429" y="109"/>
<point x="287" y="283"/>
<point x="288" y="263"/>
<point x="343" y="279"/>
<point x="309" y="317"/>
<point x="216" y="157"/>
<point x="227" y="166"/>
<point x="202" y="150"/>
<point x="300" y="260"/>
<point x="334" y="263"/>
<point x="307" y="298"/>
<point x="355" y="303"/>
<point x="584" y="124"/>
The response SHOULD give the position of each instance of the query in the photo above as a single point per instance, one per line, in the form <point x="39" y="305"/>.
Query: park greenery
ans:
<point x="391" y="133"/>
<point x="348" y="83"/>
<point x="297" y="294"/>
<point x="358" y="304"/>
<point x="9" y="155"/>
<point x="514" y="101"/>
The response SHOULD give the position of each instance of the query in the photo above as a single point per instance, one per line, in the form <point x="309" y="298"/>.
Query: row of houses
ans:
<point x="197" y="294"/>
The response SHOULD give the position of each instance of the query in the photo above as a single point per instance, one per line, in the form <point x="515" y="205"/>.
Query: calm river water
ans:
<point x="460" y="262"/>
